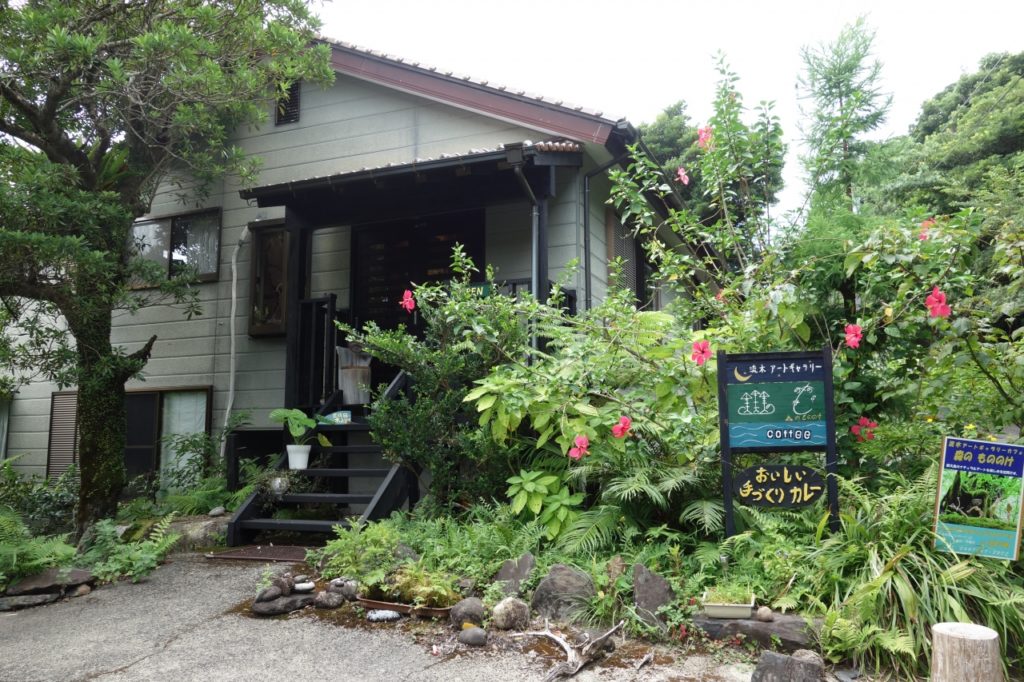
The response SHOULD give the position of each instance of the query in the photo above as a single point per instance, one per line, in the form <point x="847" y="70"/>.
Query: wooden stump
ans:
<point x="964" y="652"/>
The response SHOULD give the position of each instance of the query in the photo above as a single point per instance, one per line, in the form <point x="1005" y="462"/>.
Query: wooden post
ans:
<point x="964" y="652"/>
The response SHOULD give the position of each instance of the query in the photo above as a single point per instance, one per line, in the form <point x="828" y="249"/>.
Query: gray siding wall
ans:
<point x="349" y="126"/>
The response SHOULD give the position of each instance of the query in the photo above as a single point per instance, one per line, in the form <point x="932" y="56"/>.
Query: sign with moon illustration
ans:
<point x="776" y="402"/>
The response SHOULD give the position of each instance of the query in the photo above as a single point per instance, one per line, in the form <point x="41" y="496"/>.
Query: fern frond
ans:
<point x="708" y="514"/>
<point x="594" y="529"/>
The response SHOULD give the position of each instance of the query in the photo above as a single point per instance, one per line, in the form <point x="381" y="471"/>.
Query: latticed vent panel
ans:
<point x="63" y="450"/>
<point x="288" y="106"/>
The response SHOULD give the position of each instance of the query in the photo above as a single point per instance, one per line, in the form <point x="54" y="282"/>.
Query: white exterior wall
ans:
<point x="347" y="127"/>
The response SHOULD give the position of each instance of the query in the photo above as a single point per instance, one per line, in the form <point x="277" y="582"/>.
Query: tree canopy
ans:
<point x="100" y="102"/>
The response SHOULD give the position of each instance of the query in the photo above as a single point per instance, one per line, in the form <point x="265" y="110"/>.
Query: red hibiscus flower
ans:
<point x="853" y="335"/>
<point x="578" y="452"/>
<point x="621" y="429"/>
<point x="407" y="302"/>
<point x="936" y="304"/>
<point x="701" y="352"/>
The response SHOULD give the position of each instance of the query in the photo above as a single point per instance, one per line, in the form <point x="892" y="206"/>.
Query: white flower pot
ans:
<point x="298" y="456"/>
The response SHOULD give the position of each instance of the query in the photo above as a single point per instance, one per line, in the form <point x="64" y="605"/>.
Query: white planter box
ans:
<point x="727" y="610"/>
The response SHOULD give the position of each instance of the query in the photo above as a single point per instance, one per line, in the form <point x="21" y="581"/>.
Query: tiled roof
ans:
<point x="549" y="101"/>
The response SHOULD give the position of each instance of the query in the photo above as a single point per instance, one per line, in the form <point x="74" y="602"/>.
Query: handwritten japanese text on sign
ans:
<point x="779" y="485"/>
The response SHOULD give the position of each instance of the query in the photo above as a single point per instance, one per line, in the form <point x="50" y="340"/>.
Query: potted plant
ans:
<point x="728" y="600"/>
<point x="302" y="429"/>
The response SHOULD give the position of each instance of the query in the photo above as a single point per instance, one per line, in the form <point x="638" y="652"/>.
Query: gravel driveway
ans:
<point x="186" y="623"/>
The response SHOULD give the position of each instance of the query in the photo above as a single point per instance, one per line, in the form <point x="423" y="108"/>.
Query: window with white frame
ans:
<point x="183" y="243"/>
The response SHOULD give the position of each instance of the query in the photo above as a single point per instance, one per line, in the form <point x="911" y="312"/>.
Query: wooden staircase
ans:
<point x="340" y="489"/>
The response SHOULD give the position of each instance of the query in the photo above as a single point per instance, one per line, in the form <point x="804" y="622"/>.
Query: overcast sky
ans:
<point x="632" y="58"/>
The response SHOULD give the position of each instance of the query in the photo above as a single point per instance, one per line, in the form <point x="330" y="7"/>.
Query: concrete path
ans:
<point x="184" y="623"/>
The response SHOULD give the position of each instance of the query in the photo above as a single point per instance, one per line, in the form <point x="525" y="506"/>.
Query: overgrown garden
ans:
<point x="602" y="443"/>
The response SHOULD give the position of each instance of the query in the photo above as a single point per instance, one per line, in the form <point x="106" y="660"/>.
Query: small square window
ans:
<point x="182" y="243"/>
<point x="288" y="106"/>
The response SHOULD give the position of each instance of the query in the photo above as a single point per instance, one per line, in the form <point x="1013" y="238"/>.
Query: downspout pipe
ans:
<point x="587" y="269"/>
<point x="535" y="283"/>
<point x="232" y="354"/>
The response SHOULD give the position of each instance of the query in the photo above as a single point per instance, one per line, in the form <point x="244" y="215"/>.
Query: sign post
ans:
<point x="777" y="402"/>
<point x="978" y="508"/>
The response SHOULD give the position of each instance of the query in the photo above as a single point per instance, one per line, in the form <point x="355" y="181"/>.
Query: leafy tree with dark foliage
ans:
<point x="100" y="102"/>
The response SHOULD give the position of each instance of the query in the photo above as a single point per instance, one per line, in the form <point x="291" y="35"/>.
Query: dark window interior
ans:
<point x="269" y="278"/>
<point x="143" y="434"/>
<point x="387" y="258"/>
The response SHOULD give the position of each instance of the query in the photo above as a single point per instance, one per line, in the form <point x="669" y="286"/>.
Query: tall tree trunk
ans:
<point x="101" y="422"/>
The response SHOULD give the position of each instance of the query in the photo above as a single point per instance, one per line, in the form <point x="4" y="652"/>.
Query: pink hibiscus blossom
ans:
<point x="408" y="302"/>
<point x="925" y="226"/>
<point x="621" y="429"/>
<point x="864" y="429"/>
<point x="704" y="137"/>
<point x="936" y="304"/>
<point x="682" y="176"/>
<point x="853" y="335"/>
<point x="701" y="352"/>
<point x="578" y="452"/>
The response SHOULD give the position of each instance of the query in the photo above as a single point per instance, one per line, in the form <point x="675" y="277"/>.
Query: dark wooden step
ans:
<point x="297" y="525"/>
<point x="342" y="473"/>
<point x="351" y="449"/>
<point x="325" y="498"/>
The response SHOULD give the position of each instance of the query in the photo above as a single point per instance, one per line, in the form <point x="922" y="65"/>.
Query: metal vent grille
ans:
<point x="288" y="106"/>
<point x="63" y="449"/>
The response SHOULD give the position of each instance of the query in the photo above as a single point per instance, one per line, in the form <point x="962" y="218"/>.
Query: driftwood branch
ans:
<point x="577" y="655"/>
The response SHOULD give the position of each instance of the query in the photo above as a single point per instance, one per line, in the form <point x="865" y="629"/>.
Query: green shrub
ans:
<point x="466" y="332"/>
<point x="22" y="555"/>
<point x="47" y="506"/>
<point x="364" y="552"/>
<point x="112" y="559"/>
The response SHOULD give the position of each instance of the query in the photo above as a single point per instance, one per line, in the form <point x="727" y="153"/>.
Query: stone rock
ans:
<point x="473" y="636"/>
<point x="268" y="593"/>
<point x="404" y="552"/>
<point x="847" y="674"/>
<point x="328" y="600"/>
<point x="792" y="632"/>
<point x="764" y="614"/>
<point x="50" y="580"/>
<point x="80" y="590"/>
<point x="200" y="532"/>
<point x="650" y="593"/>
<point x="469" y="610"/>
<point x="513" y="573"/>
<point x="773" y="667"/>
<point x="304" y="587"/>
<point x="382" y="615"/>
<point x="284" y="583"/>
<point x="809" y="656"/>
<point x="282" y="605"/>
<point x="616" y="567"/>
<point x="27" y="600"/>
<point x="346" y="587"/>
<point x="511" y="613"/>
<point x="301" y="578"/>
<point x="465" y="586"/>
<point x="562" y="593"/>
<point x="217" y="511"/>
